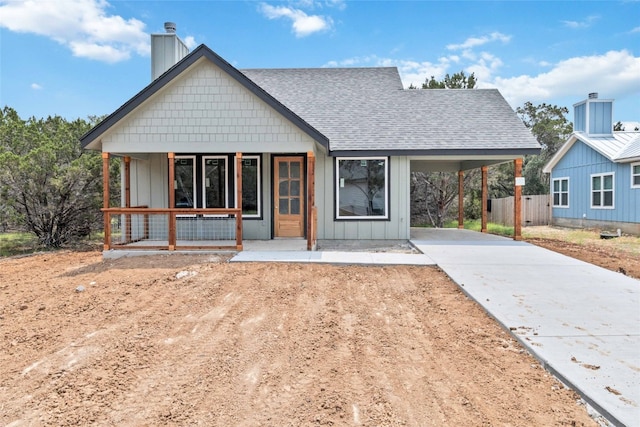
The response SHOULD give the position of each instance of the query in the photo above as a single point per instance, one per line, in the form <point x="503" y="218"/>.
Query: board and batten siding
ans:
<point x="260" y="228"/>
<point x="148" y="181"/>
<point x="578" y="164"/>
<point x="397" y="227"/>
<point x="600" y="116"/>
<point x="204" y="110"/>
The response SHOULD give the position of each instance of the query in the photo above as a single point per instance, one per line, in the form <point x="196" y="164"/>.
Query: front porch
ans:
<point x="198" y="228"/>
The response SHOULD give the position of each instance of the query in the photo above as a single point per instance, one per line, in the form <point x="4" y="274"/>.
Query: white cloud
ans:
<point x="479" y="41"/>
<point x="36" y="86"/>
<point x="319" y="4"/>
<point x="84" y="26"/>
<point x="635" y="30"/>
<point x="485" y="66"/>
<point x="338" y="4"/>
<point x="411" y="72"/>
<point x="302" y="24"/>
<point x="581" y="24"/>
<point x="190" y="41"/>
<point x="615" y="74"/>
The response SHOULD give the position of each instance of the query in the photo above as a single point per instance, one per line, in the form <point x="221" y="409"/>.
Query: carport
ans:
<point x="462" y="164"/>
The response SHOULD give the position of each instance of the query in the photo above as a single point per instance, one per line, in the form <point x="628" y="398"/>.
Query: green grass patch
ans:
<point x="17" y="243"/>
<point x="476" y="225"/>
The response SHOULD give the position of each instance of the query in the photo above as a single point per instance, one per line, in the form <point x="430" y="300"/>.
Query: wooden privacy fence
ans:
<point x="536" y="210"/>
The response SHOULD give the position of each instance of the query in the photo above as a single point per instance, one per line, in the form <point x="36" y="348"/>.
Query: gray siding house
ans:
<point x="595" y="176"/>
<point x="213" y="155"/>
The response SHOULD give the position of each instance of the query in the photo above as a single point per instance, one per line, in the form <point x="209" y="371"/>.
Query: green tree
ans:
<point x="51" y="185"/>
<point x="437" y="194"/>
<point x="457" y="81"/>
<point x="549" y="125"/>
<point x="551" y="128"/>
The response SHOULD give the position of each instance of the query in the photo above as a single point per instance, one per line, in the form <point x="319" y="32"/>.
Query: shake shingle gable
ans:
<point x="196" y="55"/>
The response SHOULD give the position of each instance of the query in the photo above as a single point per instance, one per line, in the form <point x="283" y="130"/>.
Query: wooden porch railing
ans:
<point x="169" y="229"/>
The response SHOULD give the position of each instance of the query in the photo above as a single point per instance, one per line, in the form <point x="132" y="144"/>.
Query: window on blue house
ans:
<point x="561" y="193"/>
<point x="602" y="192"/>
<point x="635" y="175"/>
<point x="362" y="188"/>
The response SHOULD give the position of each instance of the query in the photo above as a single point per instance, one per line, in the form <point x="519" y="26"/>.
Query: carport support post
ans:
<point x="460" y="199"/>
<point x="517" y="201"/>
<point x="172" y="200"/>
<point x="485" y="197"/>
<point x="105" y="201"/>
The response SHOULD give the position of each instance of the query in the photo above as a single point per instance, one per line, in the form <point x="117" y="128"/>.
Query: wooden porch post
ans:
<point x="172" y="200"/>
<point x="127" y="196"/>
<point x="239" y="198"/>
<point x="485" y="198"/>
<point x="105" y="201"/>
<point x="311" y="200"/>
<point x="460" y="199"/>
<point x="517" y="201"/>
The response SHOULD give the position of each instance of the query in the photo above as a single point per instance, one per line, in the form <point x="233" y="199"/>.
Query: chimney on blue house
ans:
<point x="593" y="116"/>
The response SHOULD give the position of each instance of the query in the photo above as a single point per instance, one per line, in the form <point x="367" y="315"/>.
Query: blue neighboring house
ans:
<point x="595" y="176"/>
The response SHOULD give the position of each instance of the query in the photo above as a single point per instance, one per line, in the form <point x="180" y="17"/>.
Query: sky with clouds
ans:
<point x="78" y="58"/>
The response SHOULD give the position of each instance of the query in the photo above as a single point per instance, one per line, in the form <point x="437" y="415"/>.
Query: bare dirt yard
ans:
<point x="620" y="254"/>
<point x="195" y="340"/>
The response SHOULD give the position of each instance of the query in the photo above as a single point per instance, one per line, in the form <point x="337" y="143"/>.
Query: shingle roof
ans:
<point x="366" y="109"/>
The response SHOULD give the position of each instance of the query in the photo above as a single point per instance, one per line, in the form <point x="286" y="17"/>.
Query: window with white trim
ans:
<point x="602" y="192"/>
<point x="185" y="181"/>
<point x="561" y="192"/>
<point x="251" y="187"/>
<point x="362" y="188"/>
<point x="635" y="175"/>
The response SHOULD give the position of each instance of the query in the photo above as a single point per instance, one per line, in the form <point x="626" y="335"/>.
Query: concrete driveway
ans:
<point x="581" y="321"/>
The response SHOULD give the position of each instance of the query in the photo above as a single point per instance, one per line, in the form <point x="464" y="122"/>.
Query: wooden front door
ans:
<point x="288" y="196"/>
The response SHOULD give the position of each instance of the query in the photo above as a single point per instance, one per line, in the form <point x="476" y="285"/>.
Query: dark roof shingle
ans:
<point x="367" y="109"/>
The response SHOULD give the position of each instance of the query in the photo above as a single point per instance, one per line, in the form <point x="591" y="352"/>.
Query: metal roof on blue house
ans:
<point x="619" y="147"/>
